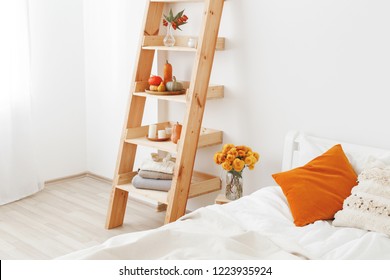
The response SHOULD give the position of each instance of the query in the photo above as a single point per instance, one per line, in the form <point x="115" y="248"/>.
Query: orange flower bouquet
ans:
<point x="234" y="159"/>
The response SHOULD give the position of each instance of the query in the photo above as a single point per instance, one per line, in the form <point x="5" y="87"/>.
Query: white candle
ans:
<point x="162" y="134"/>
<point x="152" y="131"/>
<point x="168" y="131"/>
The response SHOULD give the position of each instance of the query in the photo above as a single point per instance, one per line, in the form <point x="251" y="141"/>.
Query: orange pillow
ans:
<point x="316" y="191"/>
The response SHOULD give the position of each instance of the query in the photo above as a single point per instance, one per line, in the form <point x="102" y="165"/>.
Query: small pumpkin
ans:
<point x="176" y="131"/>
<point x="154" y="88"/>
<point x="161" y="87"/>
<point x="174" y="85"/>
<point x="155" y="80"/>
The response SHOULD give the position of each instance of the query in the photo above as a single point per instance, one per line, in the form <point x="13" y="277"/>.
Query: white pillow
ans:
<point x="368" y="206"/>
<point x="359" y="156"/>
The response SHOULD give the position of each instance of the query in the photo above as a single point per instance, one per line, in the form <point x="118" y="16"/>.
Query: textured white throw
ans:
<point x="368" y="207"/>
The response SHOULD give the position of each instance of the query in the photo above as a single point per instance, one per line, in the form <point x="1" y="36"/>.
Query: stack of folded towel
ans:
<point x="155" y="174"/>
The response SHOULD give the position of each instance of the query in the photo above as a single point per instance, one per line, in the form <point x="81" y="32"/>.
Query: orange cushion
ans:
<point x="316" y="191"/>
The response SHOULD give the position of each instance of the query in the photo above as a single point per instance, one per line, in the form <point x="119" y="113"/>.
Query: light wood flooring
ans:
<point x="65" y="217"/>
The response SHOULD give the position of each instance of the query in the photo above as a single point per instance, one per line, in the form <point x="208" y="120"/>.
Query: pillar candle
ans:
<point x="152" y="131"/>
<point x="162" y="134"/>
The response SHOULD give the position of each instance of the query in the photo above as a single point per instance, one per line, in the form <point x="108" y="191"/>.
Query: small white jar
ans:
<point x="191" y="43"/>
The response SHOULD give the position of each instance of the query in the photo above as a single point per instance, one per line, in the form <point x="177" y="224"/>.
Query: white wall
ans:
<point x="58" y="82"/>
<point x="316" y="66"/>
<point x="112" y="33"/>
<point x="82" y="56"/>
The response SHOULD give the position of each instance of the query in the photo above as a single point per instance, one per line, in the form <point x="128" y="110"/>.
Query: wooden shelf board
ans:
<point x="174" y="48"/>
<point x="156" y="42"/>
<point x="175" y="98"/>
<point x="214" y="92"/>
<point x="201" y="183"/>
<point x="158" y="196"/>
<point x="167" y="146"/>
<point x="137" y="136"/>
<point x="221" y="199"/>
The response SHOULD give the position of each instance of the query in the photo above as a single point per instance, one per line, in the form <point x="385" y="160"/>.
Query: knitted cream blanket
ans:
<point x="163" y="166"/>
<point x="368" y="207"/>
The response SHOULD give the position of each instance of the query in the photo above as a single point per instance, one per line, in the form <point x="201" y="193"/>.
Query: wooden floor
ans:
<point x="66" y="217"/>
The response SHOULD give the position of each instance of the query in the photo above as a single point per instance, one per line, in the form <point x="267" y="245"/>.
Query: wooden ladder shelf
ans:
<point x="186" y="183"/>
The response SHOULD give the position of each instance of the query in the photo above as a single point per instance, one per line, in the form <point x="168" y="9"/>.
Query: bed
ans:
<point x="261" y="225"/>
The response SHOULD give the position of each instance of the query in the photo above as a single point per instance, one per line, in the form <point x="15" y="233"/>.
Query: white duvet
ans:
<point x="258" y="226"/>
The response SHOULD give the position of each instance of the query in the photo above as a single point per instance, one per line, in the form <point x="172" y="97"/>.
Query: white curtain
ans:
<point x="18" y="176"/>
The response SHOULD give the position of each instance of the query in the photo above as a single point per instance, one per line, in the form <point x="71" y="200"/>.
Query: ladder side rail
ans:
<point x="178" y="194"/>
<point x="133" y="116"/>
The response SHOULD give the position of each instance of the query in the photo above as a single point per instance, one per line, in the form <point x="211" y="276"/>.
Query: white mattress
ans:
<point x="258" y="226"/>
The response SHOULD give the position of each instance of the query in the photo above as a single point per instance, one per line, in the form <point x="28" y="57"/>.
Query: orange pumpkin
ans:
<point x="154" y="80"/>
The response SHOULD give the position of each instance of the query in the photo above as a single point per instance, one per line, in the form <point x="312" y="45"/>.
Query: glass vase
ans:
<point x="169" y="39"/>
<point x="234" y="183"/>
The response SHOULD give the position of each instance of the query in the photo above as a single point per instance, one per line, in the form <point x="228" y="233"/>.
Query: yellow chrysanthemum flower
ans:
<point x="219" y="158"/>
<point x="242" y="148"/>
<point x="241" y="153"/>
<point x="222" y="157"/>
<point x="215" y="158"/>
<point x="227" y="166"/>
<point x="226" y="148"/>
<point x="233" y="152"/>
<point x="250" y="160"/>
<point x="230" y="158"/>
<point x="238" y="164"/>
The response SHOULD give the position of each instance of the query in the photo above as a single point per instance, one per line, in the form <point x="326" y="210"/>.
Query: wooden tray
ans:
<point x="166" y="92"/>
<point x="158" y="139"/>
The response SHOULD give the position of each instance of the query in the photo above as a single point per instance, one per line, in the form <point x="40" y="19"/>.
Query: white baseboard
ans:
<point x="65" y="179"/>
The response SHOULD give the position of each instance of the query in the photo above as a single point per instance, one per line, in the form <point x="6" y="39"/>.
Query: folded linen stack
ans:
<point x="155" y="175"/>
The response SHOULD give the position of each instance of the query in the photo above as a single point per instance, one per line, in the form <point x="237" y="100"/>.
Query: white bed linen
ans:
<point x="258" y="226"/>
